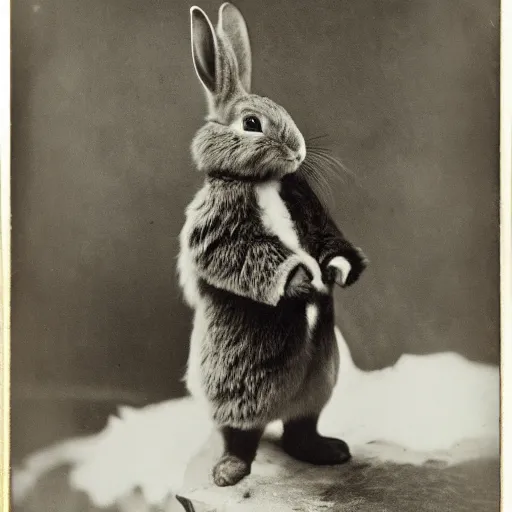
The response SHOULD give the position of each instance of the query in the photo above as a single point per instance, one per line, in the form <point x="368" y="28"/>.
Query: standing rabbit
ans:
<point x="258" y="261"/>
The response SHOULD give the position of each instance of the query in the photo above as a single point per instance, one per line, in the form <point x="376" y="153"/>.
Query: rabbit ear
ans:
<point x="204" y="48"/>
<point x="232" y="24"/>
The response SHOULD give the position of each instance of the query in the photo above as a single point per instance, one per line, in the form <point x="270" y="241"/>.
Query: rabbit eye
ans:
<point x="252" y="124"/>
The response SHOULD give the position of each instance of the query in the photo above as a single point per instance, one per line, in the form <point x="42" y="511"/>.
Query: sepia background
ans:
<point x="105" y="103"/>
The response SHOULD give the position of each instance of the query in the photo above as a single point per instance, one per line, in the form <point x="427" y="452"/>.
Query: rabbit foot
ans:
<point x="239" y="451"/>
<point x="319" y="451"/>
<point x="302" y="442"/>
<point x="230" y="470"/>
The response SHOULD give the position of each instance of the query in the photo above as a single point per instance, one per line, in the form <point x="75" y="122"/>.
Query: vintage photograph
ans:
<point x="255" y="256"/>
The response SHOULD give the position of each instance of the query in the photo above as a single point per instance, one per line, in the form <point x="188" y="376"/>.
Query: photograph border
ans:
<point x="506" y="252"/>
<point x="5" y="249"/>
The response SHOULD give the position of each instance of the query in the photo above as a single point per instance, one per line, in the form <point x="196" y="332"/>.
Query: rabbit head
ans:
<point x="246" y="136"/>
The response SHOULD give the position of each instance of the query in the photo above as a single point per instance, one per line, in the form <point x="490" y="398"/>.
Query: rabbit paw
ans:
<point x="299" y="283"/>
<point x="318" y="450"/>
<point x="337" y="271"/>
<point x="345" y="269"/>
<point x="230" y="470"/>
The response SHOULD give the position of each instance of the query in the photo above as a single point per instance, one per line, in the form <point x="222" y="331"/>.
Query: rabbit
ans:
<point x="259" y="258"/>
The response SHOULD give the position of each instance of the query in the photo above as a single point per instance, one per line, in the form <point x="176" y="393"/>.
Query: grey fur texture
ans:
<point x="260" y="350"/>
<point x="232" y="251"/>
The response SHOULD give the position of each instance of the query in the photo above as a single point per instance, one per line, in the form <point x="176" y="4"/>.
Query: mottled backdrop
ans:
<point x="105" y="102"/>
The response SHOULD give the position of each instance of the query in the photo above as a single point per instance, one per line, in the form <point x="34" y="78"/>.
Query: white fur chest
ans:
<point x="277" y="220"/>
